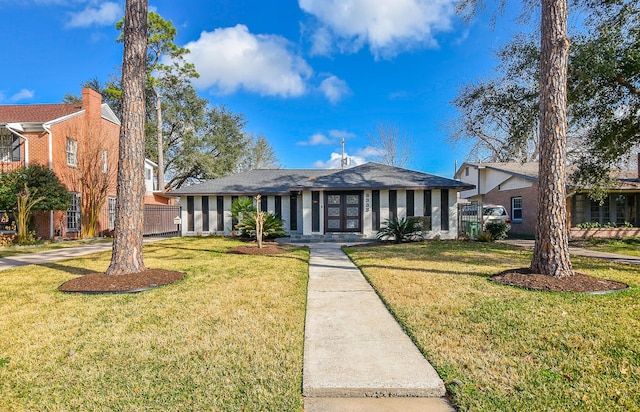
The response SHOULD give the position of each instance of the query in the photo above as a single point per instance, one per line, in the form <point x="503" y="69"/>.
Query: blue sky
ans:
<point x="304" y="73"/>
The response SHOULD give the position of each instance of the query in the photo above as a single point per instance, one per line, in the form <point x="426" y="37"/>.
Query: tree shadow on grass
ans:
<point x="73" y="270"/>
<point x="426" y="271"/>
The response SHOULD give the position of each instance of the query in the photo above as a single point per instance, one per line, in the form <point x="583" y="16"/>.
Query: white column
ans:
<point x="367" y="224"/>
<point x="228" y="220"/>
<point x="384" y="207"/>
<point x="306" y="212"/>
<point x="286" y="215"/>
<point x="435" y="214"/>
<point x="197" y="214"/>
<point x="402" y="203"/>
<point x="418" y="202"/>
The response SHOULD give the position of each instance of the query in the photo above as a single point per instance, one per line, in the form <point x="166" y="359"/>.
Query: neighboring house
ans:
<point x="317" y="203"/>
<point x="153" y="196"/>
<point x="512" y="185"/>
<point x="67" y="138"/>
<point x="515" y="186"/>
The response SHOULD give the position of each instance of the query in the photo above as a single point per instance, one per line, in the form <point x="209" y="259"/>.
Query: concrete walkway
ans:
<point x="39" y="258"/>
<point x="576" y="251"/>
<point x="356" y="356"/>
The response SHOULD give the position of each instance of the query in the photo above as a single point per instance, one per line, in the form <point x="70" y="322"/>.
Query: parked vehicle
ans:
<point x="494" y="213"/>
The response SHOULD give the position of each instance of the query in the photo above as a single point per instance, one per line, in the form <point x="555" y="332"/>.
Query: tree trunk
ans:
<point x="551" y="253"/>
<point x="127" y="240"/>
<point x="160" y="140"/>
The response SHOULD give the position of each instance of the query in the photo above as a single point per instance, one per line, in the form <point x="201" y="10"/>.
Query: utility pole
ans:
<point x="343" y="160"/>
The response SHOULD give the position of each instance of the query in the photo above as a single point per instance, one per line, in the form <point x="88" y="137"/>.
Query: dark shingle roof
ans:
<point x="282" y="181"/>
<point x="378" y="176"/>
<point x="36" y="113"/>
<point x="261" y="181"/>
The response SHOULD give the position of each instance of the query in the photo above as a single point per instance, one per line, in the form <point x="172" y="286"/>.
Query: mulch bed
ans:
<point x="136" y="282"/>
<point x="579" y="282"/>
<point x="267" y="249"/>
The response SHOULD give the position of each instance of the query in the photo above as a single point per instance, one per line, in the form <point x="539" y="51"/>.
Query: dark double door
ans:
<point x="343" y="211"/>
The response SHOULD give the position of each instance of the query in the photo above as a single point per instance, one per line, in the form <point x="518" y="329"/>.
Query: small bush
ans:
<point x="7" y="239"/>
<point x="401" y="230"/>
<point x="497" y="229"/>
<point x="485" y="236"/>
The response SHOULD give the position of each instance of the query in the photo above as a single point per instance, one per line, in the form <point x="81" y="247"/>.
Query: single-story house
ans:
<point x="315" y="203"/>
<point x="515" y="186"/>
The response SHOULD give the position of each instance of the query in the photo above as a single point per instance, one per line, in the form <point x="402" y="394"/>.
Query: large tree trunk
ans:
<point x="551" y="253"/>
<point x="160" y="140"/>
<point x="127" y="240"/>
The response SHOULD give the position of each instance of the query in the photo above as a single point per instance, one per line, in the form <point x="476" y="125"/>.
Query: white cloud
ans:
<point x="368" y="152"/>
<point x="105" y="14"/>
<point x="23" y="94"/>
<point x="232" y="58"/>
<point x="335" y="161"/>
<point x="315" y="140"/>
<point x="334" y="89"/>
<point x="388" y="27"/>
<point x="341" y="134"/>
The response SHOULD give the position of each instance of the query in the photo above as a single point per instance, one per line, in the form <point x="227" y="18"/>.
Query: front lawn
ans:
<point x="228" y="337"/>
<point x="499" y="348"/>
<point x="625" y="246"/>
<point x="8" y="251"/>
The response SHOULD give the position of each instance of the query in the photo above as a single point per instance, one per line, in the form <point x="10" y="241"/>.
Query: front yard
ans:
<point x="228" y="337"/>
<point x="499" y="348"/>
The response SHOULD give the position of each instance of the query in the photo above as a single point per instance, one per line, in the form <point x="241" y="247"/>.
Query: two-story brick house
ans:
<point x="73" y="140"/>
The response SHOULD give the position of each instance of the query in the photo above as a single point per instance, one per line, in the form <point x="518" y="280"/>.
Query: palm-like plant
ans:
<point x="401" y="229"/>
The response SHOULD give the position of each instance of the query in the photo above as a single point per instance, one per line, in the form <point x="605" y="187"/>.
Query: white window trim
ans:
<point x="72" y="152"/>
<point x="513" y="219"/>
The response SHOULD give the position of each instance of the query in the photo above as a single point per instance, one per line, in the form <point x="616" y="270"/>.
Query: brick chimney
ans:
<point x="92" y="102"/>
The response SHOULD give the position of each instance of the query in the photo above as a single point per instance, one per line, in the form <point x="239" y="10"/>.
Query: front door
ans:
<point x="343" y="211"/>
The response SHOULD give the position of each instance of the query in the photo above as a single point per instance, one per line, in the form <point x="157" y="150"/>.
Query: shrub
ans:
<point x="497" y="229"/>
<point x="401" y="230"/>
<point x="272" y="226"/>
<point x="484" y="236"/>
<point x="245" y="211"/>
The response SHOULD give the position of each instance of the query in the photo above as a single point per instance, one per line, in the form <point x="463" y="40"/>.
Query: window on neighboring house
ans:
<point x="73" y="214"/>
<point x="147" y="173"/>
<point x="105" y="164"/>
<point x="516" y="209"/>
<point x="72" y="152"/>
<point x="9" y="146"/>
<point x="112" y="213"/>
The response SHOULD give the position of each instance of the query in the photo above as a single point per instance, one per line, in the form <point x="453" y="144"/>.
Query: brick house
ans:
<point x="515" y="186"/>
<point x="70" y="139"/>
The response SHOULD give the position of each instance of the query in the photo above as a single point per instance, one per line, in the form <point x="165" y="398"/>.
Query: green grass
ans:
<point x="8" y="251"/>
<point x="229" y="337"/>
<point x="626" y="246"/>
<point x="499" y="348"/>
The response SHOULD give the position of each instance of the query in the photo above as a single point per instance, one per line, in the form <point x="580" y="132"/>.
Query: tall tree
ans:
<point x="603" y="98"/>
<point x="393" y="147"/>
<point x="166" y="68"/>
<point x="258" y="154"/>
<point x="127" y="255"/>
<point x="551" y="252"/>
<point x="210" y="149"/>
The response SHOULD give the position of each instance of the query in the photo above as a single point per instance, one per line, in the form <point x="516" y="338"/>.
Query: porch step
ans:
<point x="328" y="238"/>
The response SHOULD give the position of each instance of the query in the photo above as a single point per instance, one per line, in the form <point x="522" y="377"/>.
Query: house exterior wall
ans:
<point x="470" y="175"/>
<point x="304" y="213"/>
<point x="527" y="226"/>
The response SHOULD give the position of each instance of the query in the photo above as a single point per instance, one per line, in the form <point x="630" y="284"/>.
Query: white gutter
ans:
<point x="14" y="128"/>
<point x="47" y="128"/>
